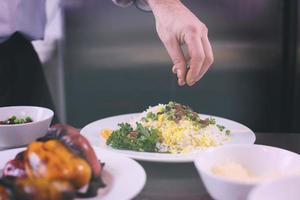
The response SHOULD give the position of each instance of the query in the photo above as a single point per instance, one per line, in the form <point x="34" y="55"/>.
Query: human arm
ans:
<point x="176" y="26"/>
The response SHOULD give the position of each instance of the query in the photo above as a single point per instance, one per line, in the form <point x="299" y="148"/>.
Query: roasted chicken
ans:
<point x="60" y="165"/>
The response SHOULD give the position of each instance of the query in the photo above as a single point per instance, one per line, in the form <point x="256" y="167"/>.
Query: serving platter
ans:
<point x="240" y="134"/>
<point x="117" y="172"/>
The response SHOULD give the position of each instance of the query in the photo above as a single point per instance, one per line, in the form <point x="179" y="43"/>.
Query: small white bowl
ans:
<point x="258" y="159"/>
<point x="282" y="189"/>
<point x="22" y="134"/>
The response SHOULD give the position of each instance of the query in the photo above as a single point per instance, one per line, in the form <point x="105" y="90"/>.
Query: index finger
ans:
<point x="177" y="56"/>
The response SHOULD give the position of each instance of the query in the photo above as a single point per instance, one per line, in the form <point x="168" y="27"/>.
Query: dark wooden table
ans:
<point x="181" y="181"/>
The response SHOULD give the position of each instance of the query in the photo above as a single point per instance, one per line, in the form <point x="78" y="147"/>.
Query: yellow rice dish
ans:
<point x="170" y="128"/>
<point x="180" y="129"/>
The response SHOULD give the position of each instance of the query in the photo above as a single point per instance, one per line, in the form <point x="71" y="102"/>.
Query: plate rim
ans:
<point x="182" y="158"/>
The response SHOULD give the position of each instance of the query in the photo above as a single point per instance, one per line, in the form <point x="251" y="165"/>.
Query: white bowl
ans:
<point x="22" y="134"/>
<point x="280" y="189"/>
<point x="258" y="159"/>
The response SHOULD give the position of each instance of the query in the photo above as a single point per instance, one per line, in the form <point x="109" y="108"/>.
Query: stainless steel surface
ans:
<point x="296" y="112"/>
<point x="115" y="63"/>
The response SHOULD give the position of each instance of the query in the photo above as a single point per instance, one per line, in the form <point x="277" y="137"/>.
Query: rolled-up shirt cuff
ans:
<point x="140" y="4"/>
<point x="123" y="3"/>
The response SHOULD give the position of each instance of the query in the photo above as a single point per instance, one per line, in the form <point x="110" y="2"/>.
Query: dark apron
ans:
<point x="22" y="79"/>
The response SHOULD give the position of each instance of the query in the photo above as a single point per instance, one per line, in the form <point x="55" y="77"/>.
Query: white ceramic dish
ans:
<point x="240" y="135"/>
<point x="258" y="159"/>
<point x="21" y="134"/>
<point x="117" y="174"/>
<point x="281" y="189"/>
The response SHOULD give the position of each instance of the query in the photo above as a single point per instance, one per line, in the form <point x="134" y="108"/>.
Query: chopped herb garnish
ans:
<point x="144" y="119"/>
<point x="140" y="139"/>
<point x="152" y="116"/>
<point x="212" y="121"/>
<point x="220" y="127"/>
<point x="227" y="132"/>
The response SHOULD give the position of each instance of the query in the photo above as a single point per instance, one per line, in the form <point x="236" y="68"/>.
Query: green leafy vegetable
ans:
<point x="220" y="127"/>
<point x="152" y="116"/>
<point x="140" y="139"/>
<point x="227" y="132"/>
<point x="212" y="121"/>
<point x="14" y="120"/>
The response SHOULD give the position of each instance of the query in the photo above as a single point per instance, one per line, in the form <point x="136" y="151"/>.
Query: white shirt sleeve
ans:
<point x="53" y="31"/>
<point x="141" y="4"/>
<point x="25" y="16"/>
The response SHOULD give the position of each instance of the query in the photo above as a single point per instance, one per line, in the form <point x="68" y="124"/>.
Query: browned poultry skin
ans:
<point x="51" y="160"/>
<point x="54" y="167"/>
<point x="14" y="168"/>
<point x="74" y="135"/>
<point x="43" y="189"/>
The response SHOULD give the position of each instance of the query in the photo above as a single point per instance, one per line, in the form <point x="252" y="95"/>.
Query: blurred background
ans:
<point x="108" y="60"/>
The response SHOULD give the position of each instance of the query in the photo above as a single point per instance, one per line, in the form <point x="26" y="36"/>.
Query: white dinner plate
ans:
<point x="124" y="177"/>
<point x="240" y="134"/>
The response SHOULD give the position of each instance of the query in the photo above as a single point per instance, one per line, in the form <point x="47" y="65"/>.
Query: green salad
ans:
<point x="15" y="120"/>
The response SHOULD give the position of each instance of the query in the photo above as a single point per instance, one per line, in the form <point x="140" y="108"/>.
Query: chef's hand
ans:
<point x="176" y="26"/>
